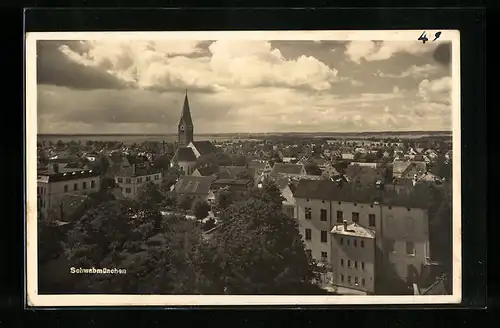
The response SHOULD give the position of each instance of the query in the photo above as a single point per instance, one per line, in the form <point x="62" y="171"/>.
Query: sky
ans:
<point x="138" y="86"/>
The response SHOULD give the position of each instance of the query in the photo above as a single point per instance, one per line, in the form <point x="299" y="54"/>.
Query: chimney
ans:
<point x="55" y="167"/>
<point x="345" y="225"/>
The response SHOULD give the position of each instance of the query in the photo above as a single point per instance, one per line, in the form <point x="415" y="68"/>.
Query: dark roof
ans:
<point x="349" y="192"/>
<point x="204" y="147"/>
<point x="228" y="182"/>
<point x="286" y="168"/>
<point x="233" y="171"/>
<point x="67" y="176"/>
<point x="193" y="185"/>
<point x="137" y="171"/>
<point x="206" y="171"/>
<point x="437" y="288"/>
<point x="186" y="113"/>
<point x="116" y="158"/>
<point x="184" y="154"/>
<point x="364" y="174"/>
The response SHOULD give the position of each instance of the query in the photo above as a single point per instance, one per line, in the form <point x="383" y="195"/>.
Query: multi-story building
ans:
<point x="400" y="223"/>
<point x="57" y="181"/>
<point x="130" y="180"/>
<point x="353" y="256"/>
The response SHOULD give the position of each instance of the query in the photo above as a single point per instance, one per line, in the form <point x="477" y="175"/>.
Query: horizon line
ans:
<point x="245" y="133"/>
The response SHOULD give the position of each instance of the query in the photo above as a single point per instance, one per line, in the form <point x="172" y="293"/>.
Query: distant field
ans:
<point x="139" y="138"/>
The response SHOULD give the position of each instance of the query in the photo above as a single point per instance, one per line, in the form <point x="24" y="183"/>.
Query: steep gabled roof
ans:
<point x="233" y="171"/>
<point x="184" y="154"/>
<point x="204" y="147"/>
<point x="193" y="185"/>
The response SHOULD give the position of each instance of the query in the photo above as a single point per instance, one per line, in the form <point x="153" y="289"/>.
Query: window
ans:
<point x="75" y="186"/>
<point x="324" y="256"/>
<point x="341" y="262"/>
<point x="363" y="282"/>
<point x="355" y="241"/>
<point x="84" y="185"/>
<point x="65" y="188"/>
<point x="340" y="217"/>
<point x="355" y="217"/>
<point x="120" y="180"/>
<point x="362" y="265"/>
<point x="128" y="180"/>
<point x="139" y="180"/>
<point x="323" y="215"/>
<point x="92" y="184"/>
<point x="391" y="246"/>
<point x="410" y="248"/>
<point x="308" y="234"/>
<point x="362" y="243"/>
<point x="324" y="236"/>
<point x="341" y="277"/>
<point x="355" y="264"/>
<point x="341" y="241"/>
<point x="356" y="281"/>
<point x="309" y="253"/>
<point x="347" y="242"/>
<point x="128" y="190"/>
<point x="349" y="280"/>
<point x="371" y="220"/>
<point x="148" y="178"/>
<point x="348" y="263"/>
<point x="157" y="177"/>
<point x="308" y="213"/>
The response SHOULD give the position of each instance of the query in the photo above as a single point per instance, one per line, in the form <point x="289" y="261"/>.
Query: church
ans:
<point x="188" y="150"/>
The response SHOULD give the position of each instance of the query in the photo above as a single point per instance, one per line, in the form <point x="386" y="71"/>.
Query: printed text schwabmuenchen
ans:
<point x="97" y="271"/>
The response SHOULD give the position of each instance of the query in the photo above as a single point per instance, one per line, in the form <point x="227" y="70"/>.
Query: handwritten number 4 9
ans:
<point x="423" y="37"/>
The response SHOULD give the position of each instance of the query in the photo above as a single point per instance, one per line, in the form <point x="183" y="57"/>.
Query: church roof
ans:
<point x="186" y="113"/>
<point x="204" y="147"/>
<point x="184" y="154"/>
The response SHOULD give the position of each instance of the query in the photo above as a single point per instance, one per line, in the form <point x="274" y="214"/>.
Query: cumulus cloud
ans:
<point x="383" y="50"/>
<point x="438" y="91"/>
<point x="167" y="65"/>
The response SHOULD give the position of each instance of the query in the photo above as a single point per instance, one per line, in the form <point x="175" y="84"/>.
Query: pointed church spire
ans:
<point x="186" y="113"/>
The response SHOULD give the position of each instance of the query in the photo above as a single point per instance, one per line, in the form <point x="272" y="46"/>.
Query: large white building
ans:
<point x="57" y="181"/>
<point x="399" y="223"/>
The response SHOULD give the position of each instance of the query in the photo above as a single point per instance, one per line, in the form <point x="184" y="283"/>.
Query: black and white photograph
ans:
<point x="243" y="168"/>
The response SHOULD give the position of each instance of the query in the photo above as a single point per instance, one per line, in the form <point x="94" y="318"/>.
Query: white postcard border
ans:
<point x="33" y="299"/>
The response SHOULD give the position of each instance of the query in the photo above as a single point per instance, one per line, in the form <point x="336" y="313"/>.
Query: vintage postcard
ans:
<point x="243" y="168"/>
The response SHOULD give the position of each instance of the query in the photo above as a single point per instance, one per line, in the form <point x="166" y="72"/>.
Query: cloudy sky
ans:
<point x="116" y="86"/>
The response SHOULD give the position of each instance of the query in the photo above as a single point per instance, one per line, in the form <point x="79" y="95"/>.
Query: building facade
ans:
<point x="353" y="256"/>
<point x="53" y="185"/>
<point x="130" y="181"/>
<point x="402" y="233"/>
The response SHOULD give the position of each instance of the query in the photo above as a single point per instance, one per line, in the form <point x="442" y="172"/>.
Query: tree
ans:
<point x="60" y="144"/>
<point x="185" y="202"/>
<point x="313" y="169"/>
<point x="259" y="250"/>
<point x="170" y="177"/>
<point x="50" y="238"/>
<point x="108" y="183"/>
<point x="201" y="209"/>
<point x="223" y="199"/>
<point x="159" y="256"/>
<point x="357" y="156"/>
<point x="149" y="193"/>
<point x="239" y="160"/>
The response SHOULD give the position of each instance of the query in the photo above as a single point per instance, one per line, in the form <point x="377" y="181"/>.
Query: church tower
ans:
<point x="185" y="128"/>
